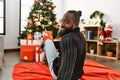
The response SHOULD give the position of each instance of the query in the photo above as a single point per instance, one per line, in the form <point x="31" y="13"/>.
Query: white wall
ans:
<point x="59" y="8"/>
<point x="108" y="7"/>
<point x="12" y="24"/>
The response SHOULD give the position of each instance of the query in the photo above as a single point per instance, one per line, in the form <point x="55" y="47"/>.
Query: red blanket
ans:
<point x="38" y="71"/>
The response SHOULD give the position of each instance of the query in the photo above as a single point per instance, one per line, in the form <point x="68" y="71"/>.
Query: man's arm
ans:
<point x="68" y="59"/>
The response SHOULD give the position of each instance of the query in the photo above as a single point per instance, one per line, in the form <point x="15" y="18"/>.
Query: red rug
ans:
<point x="38" y="71"/>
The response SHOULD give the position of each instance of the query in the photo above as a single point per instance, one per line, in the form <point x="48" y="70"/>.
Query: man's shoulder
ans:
<point x="71" y="36"/>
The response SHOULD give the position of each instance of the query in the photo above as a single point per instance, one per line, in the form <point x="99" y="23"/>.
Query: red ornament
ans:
<point x="53" y="6"/>
<point x="46" y="4"/>
<point x="55" y="23"/>
<point x="34" y="2"/>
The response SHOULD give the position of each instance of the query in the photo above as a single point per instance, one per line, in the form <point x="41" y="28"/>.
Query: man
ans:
<point x="68" y="65"/>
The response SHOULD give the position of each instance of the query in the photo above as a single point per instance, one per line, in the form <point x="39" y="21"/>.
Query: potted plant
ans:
<point x="92" y="49"/>
<point x="109" y="51"/>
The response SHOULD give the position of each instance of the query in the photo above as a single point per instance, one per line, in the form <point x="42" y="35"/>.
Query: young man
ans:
<point x="68" y="65"/>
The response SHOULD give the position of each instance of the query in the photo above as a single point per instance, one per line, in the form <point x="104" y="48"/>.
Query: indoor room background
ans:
<point x="109" y="7"/>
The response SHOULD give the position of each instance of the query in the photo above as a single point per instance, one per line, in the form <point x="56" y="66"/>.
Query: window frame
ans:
<point x="3" y="33"/>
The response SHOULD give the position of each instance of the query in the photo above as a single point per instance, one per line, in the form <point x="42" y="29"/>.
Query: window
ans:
<point x="2" y="17"/>
<point x="25" y="8"/>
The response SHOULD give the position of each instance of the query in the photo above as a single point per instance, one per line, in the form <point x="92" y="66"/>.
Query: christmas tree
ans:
<point x="41" y="18"/>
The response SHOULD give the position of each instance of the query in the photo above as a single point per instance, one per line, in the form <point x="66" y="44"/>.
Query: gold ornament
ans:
<point x="43" y="25"/>
<point x="41" y="18"/>
<point x="50" y="22"/>
<point x="49" y="8"/>
<point x="37" y="23"/>
<point x="34" y="14"/>
<point x="30" y="31"/>
<point x="35" y="19"/>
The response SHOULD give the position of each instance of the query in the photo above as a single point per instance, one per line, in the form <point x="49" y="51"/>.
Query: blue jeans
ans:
<point x="51" y="54"/>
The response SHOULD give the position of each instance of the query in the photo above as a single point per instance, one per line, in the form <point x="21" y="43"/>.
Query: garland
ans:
<point x="97" y="14"/>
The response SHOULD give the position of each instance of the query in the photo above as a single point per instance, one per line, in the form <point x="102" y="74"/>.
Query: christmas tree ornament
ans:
<point x="30" y="21"/>
<point x="30" y="31"/>
<point x="41" y="18"/>
<point x="46" y="4"/>
<point x="29" y="36"/>
<point x="34" y="14"/>
<point x="49" y="8"/>
<point x="55" y="23"/>
<point x="35" y="19"/>
<point x="34" y="2"/>
<point x="41" y="3"/>
<point x="53" y="6"/>
<point x="43" y="25"/>
<point x="50" y="22"/>
<point x="37" y="23"/>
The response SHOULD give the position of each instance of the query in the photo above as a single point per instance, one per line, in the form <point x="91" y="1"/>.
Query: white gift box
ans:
<point x="36" y="42"/>
<point x="37" y="35"/>
<point x="30" y="42"/>
<point x="23" y="42"/>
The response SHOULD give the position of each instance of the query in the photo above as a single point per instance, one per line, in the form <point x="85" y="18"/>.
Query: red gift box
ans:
<point x="47" y="35"/>
<point x="28" y="52"/>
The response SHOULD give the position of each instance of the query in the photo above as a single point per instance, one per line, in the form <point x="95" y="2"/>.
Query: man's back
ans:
<point x="72" y="56"/>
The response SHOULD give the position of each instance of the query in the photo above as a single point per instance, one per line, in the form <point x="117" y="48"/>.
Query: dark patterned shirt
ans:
<point x="69" y="64"/>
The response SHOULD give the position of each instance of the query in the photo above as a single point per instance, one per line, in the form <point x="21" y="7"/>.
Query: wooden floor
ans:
<point x="11" y="58"/>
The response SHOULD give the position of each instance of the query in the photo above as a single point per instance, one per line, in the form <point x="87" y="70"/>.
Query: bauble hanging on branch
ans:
<point x="34" y="2"/>
<point x="46" y="4"/>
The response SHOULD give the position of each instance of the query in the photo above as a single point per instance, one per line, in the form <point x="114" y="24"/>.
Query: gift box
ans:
<point x="47" y="35"/>
<point x="27" y="53"/>
<point x="23" y="42"/>
<point x="37" y="54"/>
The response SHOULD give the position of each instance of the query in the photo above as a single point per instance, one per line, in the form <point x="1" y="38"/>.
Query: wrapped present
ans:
<point x="29" y="42"/>
<point x="47" y="35"/>
<point x="37" y="36"/>
<point x="37" y="54"/>
<point x="27" y="53"/>
<point x="23" y="42"/>
<point x="36" y="42"/>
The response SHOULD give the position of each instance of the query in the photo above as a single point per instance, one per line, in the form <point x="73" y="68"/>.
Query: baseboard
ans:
<point x="9" y="50"/>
